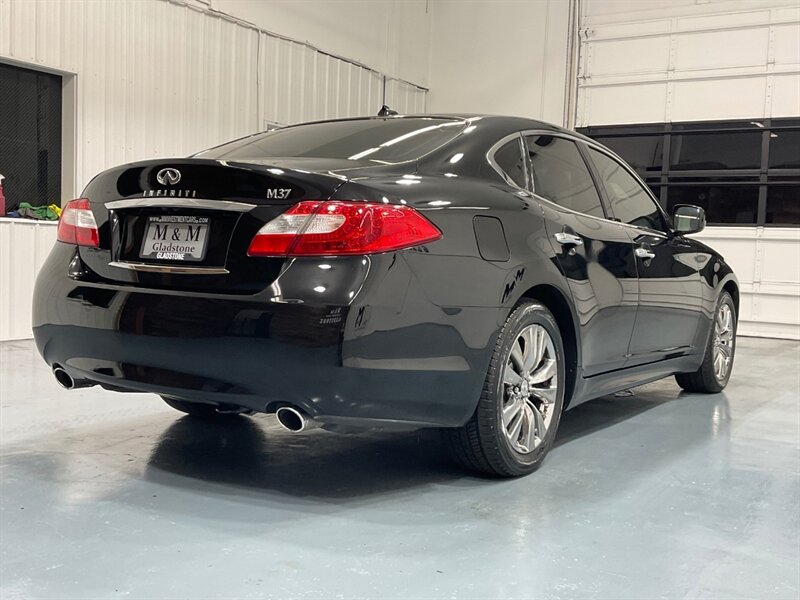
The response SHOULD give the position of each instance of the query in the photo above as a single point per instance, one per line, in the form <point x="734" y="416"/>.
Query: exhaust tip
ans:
<point x="63" y="378"/>
<point x="291" y="418"/>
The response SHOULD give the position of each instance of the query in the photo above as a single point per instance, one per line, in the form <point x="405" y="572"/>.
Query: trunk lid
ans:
<point x="185" y="224"/>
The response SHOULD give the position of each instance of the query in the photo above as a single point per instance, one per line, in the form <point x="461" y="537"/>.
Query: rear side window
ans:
<point x="379" y="141"/>
<point x="510" y="160"/>
<point x="629" y="201"/>
<point x="560" y="174"/>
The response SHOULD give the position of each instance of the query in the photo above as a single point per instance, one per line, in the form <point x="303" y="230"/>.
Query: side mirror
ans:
<point x="688" y="218"/>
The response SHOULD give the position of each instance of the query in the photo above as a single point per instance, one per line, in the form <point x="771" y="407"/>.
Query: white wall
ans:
<point x="24" y="246"/>
<point x="158" y="78"/>
<point x="499" y="57"/>
<point x="766" y="261"/>
<point x="655" y="62"/>
<point x="685" y="60"/>
<point x="390" y="36"/>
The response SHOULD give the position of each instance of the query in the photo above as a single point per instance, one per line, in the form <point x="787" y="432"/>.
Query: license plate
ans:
<point x="172" y="237"/>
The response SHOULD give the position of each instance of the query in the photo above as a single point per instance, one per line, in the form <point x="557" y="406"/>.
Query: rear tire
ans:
<point x="515" y="422"/>
<point x="198" y="409"/>
<point x="715" y="371"/>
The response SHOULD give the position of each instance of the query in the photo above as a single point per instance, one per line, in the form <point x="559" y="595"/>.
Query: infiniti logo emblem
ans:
<point x="168" y="176"/>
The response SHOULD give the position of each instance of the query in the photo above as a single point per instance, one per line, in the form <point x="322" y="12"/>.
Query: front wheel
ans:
<point x="715" y="371"/>
<point x="515" y="422"/>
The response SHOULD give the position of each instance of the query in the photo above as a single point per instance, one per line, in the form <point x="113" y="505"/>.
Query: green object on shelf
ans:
<point x="42" y="213"/>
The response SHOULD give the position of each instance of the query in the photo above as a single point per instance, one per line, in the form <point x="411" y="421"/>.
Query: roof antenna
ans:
<point x="385" y="111"/>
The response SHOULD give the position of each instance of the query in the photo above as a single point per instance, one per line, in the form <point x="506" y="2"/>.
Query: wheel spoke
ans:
<point x="530" y="355"/>
<point x="510" y="376"/>
<point x="528" y="439"/>
<point x="541" y="428"/>
<point x="516" y="425"/>
<point x="725" y="350"/>
<point x="724" y="318"/>
<point x="510" y="412"/>
<point x="517" y="356"/>
<point x="541" y="345"/>
<point x="544" y="373"/>
<point x="719" y="365"/>
<point x="546" y="395"/>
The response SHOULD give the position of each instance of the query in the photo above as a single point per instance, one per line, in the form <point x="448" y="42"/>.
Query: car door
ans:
<point x="594" y="253"/>
<point x="668" y="265"/>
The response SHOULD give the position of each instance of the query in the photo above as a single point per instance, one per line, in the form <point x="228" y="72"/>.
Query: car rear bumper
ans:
<point x="385" y="357"/>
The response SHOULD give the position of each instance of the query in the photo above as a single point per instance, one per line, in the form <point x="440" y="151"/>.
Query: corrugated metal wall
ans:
<point x="159" y="78"/>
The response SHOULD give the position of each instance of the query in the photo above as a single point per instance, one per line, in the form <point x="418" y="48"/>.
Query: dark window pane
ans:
<point x="723" y="203"/>
<point x="509" y="159"/>
<point x="361" y="140"/>
<point x="784" y="150"/>
<point x="630" y="203"/>
<point x="30" y="136"/>
<point x="740" y="150"/>
<point x="783" y="122"/>
<point x="722" y="179"/>
<point x="560" y="174"/>
<point x="783" y="204"/>
<point x="718" y="125"/>
<point x="642" y="152"/>
<point x="624" y="130"/>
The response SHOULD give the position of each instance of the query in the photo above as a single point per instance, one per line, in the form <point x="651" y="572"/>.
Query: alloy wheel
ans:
<point x="723" y="341"/>
<point x="530" y="385"/>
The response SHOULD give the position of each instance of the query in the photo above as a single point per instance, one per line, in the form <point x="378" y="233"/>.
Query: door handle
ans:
<point x="568" y="239"/>
<point x="644" y="253"/>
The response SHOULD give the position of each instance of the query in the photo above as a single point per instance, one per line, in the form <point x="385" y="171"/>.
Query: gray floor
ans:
<point x="660" y="494"/>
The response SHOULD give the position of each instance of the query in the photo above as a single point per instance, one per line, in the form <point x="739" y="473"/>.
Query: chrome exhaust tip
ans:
<point x="63" y="378"/>
<point x="66" y="380"/>
<point x="293" y="419"/>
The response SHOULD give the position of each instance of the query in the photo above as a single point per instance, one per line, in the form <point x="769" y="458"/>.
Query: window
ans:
<point x="717" y="150"/>
<point x="30" y="136"/>
<point x="560" y="174"/>
<point x="377" y="141"/>
<point x="630" y="203"/>
<point x="642" y="152"/>
<point x="722" y="203"/>
<point x="740" y="168"/>
<point x="509" y="158"/>
<point x="783" y="204"/>
<point x="784" y="150"/>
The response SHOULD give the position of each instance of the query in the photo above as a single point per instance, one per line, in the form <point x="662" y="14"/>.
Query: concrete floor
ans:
<point x="656" y="495"/>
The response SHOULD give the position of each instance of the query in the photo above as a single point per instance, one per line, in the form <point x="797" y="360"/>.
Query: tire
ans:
<point x="486" y="443"/>
<point x="199" y="410"/>
<point x="721" y="342"/>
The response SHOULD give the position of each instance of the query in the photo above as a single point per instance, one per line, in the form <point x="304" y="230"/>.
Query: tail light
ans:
<point x="77" y="224"/>
<point x="325" y="228"/>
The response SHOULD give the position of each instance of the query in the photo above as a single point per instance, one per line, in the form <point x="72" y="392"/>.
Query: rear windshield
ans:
<point x="383" y="141"/>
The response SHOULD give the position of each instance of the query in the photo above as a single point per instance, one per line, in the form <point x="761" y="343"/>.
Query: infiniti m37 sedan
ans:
<point x="477" y="274"/>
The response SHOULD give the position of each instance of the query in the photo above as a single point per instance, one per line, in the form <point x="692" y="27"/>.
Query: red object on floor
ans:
<point x="2" y="200"/>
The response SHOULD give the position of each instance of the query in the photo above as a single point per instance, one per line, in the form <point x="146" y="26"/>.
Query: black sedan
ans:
<point x="478" y="274"/>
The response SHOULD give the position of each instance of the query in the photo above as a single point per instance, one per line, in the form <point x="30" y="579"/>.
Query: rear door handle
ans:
<point x="644" y="253"/>
<point x="568" y="239"/>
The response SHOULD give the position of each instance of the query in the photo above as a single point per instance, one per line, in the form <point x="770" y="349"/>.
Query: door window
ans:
<point x="560" y="174"/>
<point x="510" y="160"/>
<point x="629" y="201"/>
